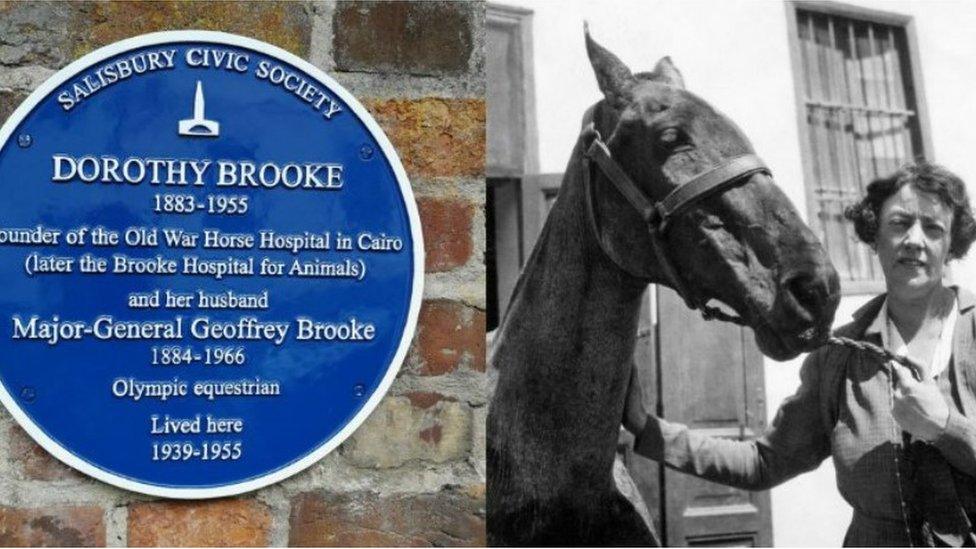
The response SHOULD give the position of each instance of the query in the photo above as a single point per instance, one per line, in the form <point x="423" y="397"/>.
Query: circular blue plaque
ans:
<point x="211" y="264"/>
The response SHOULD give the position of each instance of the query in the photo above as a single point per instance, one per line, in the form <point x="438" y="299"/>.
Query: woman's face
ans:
<point x="914" y="233"/>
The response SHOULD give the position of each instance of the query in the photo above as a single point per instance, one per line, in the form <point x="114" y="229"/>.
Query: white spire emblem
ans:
<point x="199" y="126"/>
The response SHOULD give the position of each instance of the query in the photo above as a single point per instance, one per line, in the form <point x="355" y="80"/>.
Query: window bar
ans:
<point x="836" y="114"/>
<point x="853" y="183"/>
<point x="805" y="50"/>
<point x="850" y="100"/>
<point x="872" y="48"/>
<point x="866" y="108"/>
<point x="890" y="93"/>
<point x="844" y="177"/>
<point x="863" y="163"/>
<point x="887" y="122"/>
<point x="899" y="82"/>
<point x="890" y="139"/>
<point x="827" y="142"/>
<point x="823" y="67"/>
<point x="822" y="117"/>
<point x="863" y="145"/>
<point x="804" y="19"/>
<point x="878" y="99"/>
<point x="897" y="94"/>
<point x="890" y="143"/>
<point x="867" y="100"/>
<point x="831" y="115"/>
<point x="812" y="121"/>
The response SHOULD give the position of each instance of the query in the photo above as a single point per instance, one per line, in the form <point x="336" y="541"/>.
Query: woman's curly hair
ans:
<point x="925" y="177"/>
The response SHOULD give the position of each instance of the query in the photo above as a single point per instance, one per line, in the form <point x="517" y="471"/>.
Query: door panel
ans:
<point x="711" y="379"/>
<point x="645" y="472"/>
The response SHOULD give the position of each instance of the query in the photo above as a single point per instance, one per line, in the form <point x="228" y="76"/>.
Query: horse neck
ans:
<point x="568" y="285"/>
<point x="568" y="280"/>
<point x="564" y="349"/>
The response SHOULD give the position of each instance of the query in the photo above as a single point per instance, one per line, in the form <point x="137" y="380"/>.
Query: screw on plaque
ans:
<point x="359" y="389"/>
<point x="366" y="152"/>
<point x="28" y="394"/>
<point x="25" y="140"/>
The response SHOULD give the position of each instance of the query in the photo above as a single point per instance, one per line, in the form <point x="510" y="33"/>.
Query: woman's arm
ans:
<point x="795" y="442"/>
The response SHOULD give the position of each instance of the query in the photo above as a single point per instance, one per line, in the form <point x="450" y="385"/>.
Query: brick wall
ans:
<point x="413" y="474"/>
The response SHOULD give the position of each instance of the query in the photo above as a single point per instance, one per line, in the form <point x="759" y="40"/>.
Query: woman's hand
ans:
<point x="919" y="406"/>
<point x="635" y="416"/>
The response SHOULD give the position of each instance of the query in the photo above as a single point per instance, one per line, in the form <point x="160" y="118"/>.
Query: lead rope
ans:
<point x="895" y="449"/>
<point x="714" y="313"/>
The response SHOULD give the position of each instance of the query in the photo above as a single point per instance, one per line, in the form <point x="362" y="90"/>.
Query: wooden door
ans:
<point x="711" y="379"/>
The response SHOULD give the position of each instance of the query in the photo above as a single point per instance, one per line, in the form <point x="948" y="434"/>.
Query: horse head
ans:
<point x="741" y="243"/>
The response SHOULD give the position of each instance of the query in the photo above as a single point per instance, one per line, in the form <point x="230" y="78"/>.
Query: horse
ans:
<point x="563" y="352"/>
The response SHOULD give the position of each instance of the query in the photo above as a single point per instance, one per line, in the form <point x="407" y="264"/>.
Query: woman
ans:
<point x="904" y="449"/>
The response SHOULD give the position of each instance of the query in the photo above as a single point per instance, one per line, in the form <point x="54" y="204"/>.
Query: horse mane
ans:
<point x="604" y="120"/>
<point x="541" y="343"/>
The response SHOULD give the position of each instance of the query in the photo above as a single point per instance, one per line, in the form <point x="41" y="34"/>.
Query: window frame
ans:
<point x="508" y="180"/>
<point x="517" y="22"/>
<point x="906" y="22"/>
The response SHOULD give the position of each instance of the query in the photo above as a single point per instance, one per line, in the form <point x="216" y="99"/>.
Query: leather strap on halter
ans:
<point x="657" y="215"/>
<point x="731" y="172"/>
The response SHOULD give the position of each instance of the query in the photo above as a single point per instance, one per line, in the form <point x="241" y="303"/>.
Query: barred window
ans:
<point x="860" y="121"/>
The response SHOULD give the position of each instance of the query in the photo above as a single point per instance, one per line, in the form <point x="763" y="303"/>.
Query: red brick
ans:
<point x="81" y="526"/>
<point x="211" y="523"/>
<point x="447" y="232"/>
<point x="450" y="335"/>
<point x="425" y="399"/>
<point x="284" y="24"/>
<point x="32" y="461"/>
<point x="435" y="136"/>
<point x="430" y="38"/>
<point x="447" y="518"/>
<point x="54" y="33"/>
<point x="432" y="434"/>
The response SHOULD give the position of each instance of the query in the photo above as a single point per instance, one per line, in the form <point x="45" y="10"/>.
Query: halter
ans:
<point x="658" y="215"/>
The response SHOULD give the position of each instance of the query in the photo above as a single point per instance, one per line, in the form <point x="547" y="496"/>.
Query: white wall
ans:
<point x="735" y="54"/>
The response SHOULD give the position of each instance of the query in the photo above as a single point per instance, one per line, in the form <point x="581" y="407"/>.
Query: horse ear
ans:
<point x="613" y="77"/>
<point x="666" y="72"/>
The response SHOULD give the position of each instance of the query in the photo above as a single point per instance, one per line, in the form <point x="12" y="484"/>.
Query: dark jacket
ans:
<point x="843" y="409"/>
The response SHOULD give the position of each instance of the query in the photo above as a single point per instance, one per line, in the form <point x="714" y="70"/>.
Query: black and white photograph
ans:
<point x="729" y="296"/>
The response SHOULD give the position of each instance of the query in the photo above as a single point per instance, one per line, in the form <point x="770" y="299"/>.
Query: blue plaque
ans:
<point x="211" y="264"/>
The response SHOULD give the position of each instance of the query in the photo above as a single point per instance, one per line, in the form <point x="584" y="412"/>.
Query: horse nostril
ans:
<point x="810" y="292"/>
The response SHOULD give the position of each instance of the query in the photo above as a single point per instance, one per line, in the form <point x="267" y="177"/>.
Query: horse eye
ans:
<point x="712" y="223"/>
<point x="672" y="139"/>
<point x="670" y="136"/>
